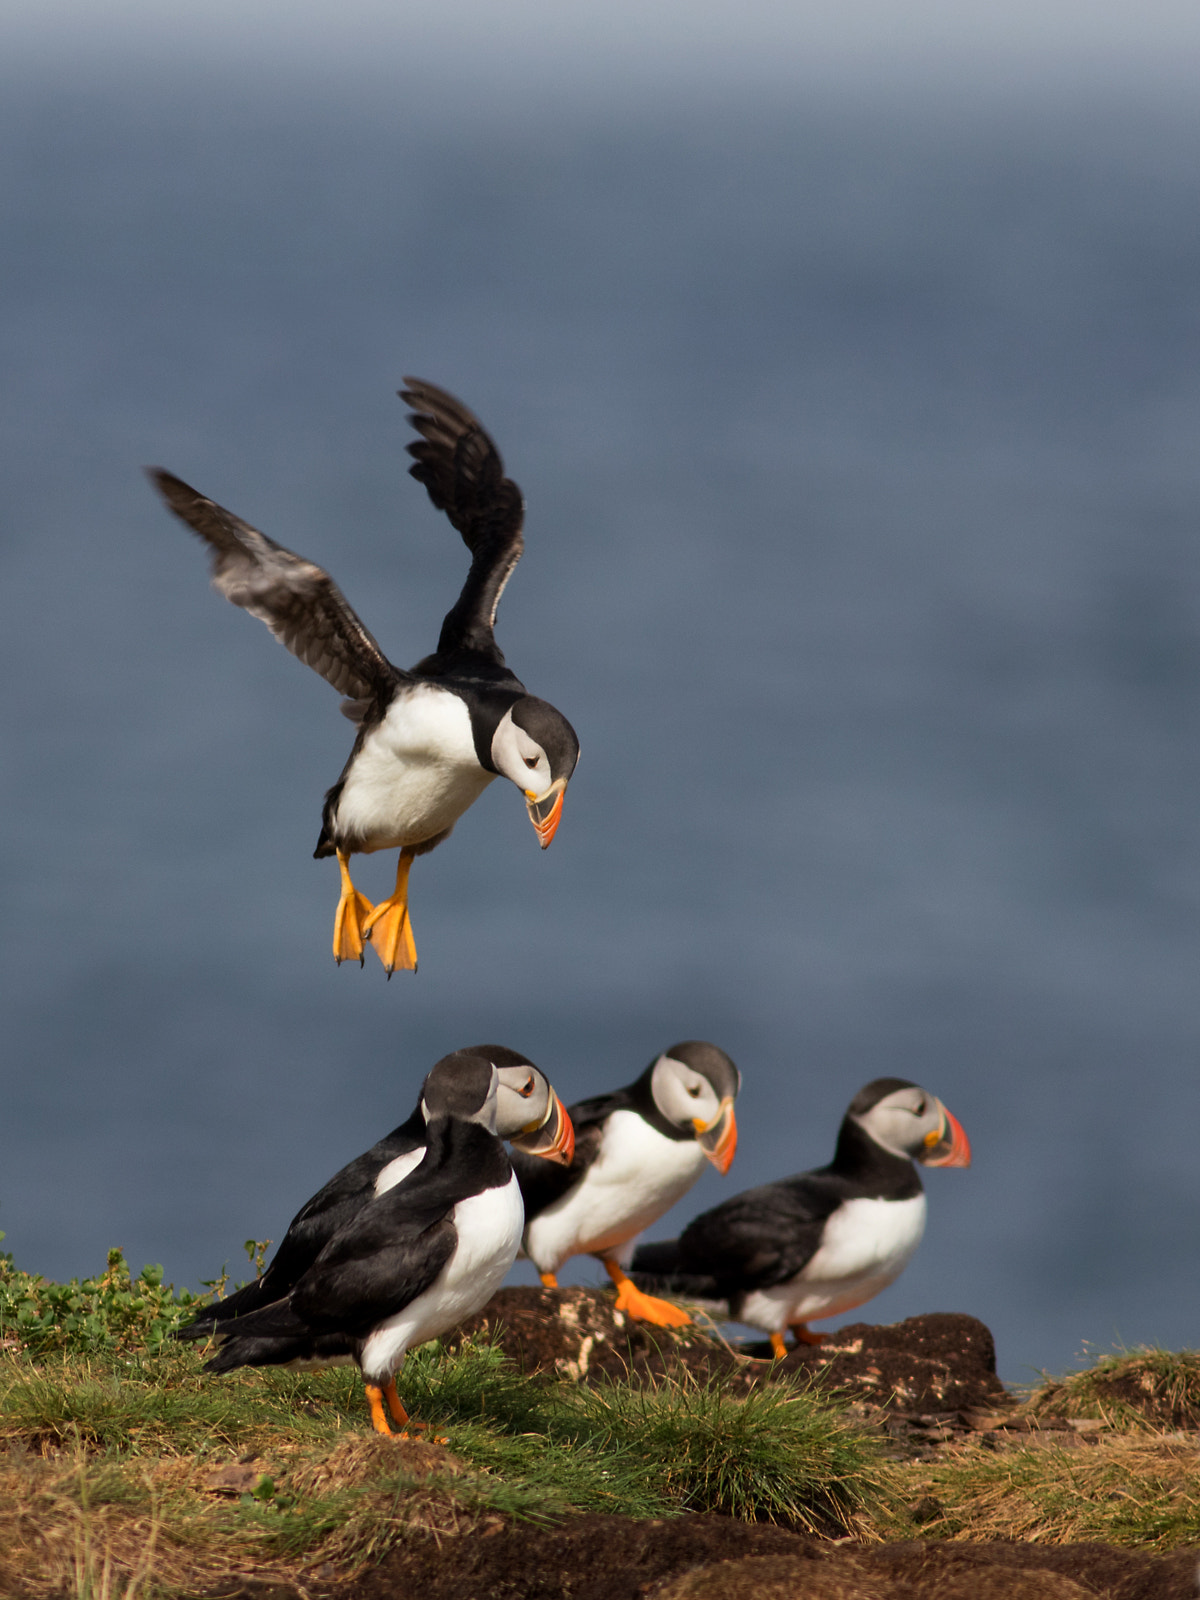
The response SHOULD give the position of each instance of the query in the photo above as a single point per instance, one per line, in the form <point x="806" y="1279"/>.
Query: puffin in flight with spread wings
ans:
<point x="430" y="739"/>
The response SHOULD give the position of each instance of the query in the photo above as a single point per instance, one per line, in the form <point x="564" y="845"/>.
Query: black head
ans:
<point x="693" y="1086"/>
<point x="535" y="747"/>
<point x="461" y="1085"/>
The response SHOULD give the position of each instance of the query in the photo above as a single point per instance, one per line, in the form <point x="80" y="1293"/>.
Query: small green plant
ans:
<point x="112" y="1312"/>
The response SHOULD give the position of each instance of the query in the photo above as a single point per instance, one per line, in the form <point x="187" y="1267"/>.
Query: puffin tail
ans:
<point x="211" y="1319"/>
<point x="656" y="1270"/>
<point x="271" y="1337"/>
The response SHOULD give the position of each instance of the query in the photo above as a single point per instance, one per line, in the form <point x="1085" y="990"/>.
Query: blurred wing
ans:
<point x="297" y="600"/>
<point x="759" y="1238"/>
<point x="461" y="469"/>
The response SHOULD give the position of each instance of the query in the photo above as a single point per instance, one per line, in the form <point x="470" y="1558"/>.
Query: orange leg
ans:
<point x="549" y="1280"/>
<point x="644" y="1307"/>
<point x="375" y="1399"/>
<point x="388" y="927"/>
<point x="802" y="1335"/>
<point x="778" y="1346"/>
<point x="350" y="919"/>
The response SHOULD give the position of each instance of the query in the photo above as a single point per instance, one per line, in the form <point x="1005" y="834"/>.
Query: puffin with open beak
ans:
<point x="825" y="1241"/>
<point x="411" y="1263"/>
<point x="430" y="738"/>
<point x="527" y="1111"/>
<point x="637" y="1151"/>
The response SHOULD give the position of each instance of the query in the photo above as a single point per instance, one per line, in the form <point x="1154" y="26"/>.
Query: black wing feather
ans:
<point x="763" y="1236"/>
<point x="298" y="601"/>
<point x="311" y="1229"/>
<point x="462" y="471"/>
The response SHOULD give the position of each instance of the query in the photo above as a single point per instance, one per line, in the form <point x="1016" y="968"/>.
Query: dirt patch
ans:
<point x="940" y="1363"/>
<point x="714" y="1558"/>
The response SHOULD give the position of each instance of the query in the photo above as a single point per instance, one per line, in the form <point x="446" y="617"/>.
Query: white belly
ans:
<point x="638" y="1175"/>
<point x="489" y="1231"/>
<point x="416" y="774"/>
<point x="867" y="1245"/>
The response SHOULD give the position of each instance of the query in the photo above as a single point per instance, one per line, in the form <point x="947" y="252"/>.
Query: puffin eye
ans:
<point x="526" y="1089"/>
<point x="530" y="761"/>
<point x="921" y="1108"/>
<point x="694" y="1091"/>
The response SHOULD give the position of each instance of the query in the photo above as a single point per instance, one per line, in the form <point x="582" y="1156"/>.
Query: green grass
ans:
<point x="1129" y="1389"/>
<point x="110" y="1433"/>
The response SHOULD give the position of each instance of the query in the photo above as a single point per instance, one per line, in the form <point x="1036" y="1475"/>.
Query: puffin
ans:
<point x="637" y="1151"/>
<point x="432" y="737"/>
<point x="527" y="1111"/>
<point x="824" y="1241"/>
<point x="411" y="1262"/>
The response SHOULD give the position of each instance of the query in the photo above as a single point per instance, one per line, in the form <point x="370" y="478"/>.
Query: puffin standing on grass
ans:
<point x="637" y="1151"/>
<point x="430" y="739"/>
<point x="823" y="1242"/>
<point x="410" y="1263"/>
<point x="527" y="1111"/>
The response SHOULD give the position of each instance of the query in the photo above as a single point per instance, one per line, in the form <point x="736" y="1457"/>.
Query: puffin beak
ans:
<point x="553" y="1137"/>
<point x="950" y="1148"/>
<point x="544" y="813"/>
<point x="718" y="1138"/>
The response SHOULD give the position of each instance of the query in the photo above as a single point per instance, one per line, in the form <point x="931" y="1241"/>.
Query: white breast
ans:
<point x="416" y="774"/>
<point x="637" y="1176"/>
<point x="489" y="1230"/>
<point x="867" y="1245"/>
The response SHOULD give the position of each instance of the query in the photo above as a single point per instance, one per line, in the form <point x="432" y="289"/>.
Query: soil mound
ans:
<point x="944" y="1362"/>
<point x="715" y="1558"/>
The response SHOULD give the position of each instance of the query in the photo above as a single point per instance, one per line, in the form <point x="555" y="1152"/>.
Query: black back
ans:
<point x="764" y="1236"/>
<point x="388" y="1254"/>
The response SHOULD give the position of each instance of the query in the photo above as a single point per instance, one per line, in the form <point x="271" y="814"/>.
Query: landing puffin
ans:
<point x="527" y="1111"/>
<point x="410" y="1263"/>
<point x="824" y="1241"/>
<point x="432" y="738"/>
<point x="637" y="1151"/>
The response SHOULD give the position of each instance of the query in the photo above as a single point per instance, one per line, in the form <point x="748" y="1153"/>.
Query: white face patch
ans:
<point x="901" y="1120"/>
<point x="682" y="1095"/>
<point x="520" y="758"/>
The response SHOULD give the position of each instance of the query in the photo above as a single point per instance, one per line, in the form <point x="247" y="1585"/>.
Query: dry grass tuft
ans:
<point x="1141" y="1492"/>
<point x="1143" y="1388"/>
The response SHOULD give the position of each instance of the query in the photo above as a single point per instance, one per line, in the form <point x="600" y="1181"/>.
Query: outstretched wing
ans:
<point x="461" y="468"/>
<point x="298" y="601"/>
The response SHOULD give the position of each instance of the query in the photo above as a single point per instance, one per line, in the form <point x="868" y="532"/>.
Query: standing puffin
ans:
<point x="527" y="1111"/>
<point x="637" y="1151"/>
<point x="825" y="1241"/>
<point x="430" y="739"/>
<point x="409" y="1264"/>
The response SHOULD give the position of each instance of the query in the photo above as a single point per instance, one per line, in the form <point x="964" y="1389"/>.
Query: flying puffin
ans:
<point x="527" y="1111"/>
<point x="637" y="1151"/>
<point x="824" y="1241"/>
<point x="432" y="738"/>
<point x="408" y="1264"/>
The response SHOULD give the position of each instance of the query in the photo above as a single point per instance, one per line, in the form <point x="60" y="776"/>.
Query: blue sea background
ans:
<point x="858" y="420"/>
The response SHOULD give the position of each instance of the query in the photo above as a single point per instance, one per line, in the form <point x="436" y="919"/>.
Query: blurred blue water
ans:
<point x="860" y="450"/>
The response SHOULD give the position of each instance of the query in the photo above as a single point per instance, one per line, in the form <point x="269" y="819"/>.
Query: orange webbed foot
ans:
<point x="644" y="1307"/>
<point x="350" y="920"/>
<point x="389" y="928"/>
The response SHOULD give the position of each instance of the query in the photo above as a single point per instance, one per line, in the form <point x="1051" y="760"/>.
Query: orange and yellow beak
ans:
<point x="544" y="813"/>
<point x="553" y="1137"/>
<point x="718" y="1138"/>
<point x="950" y="1148"/>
